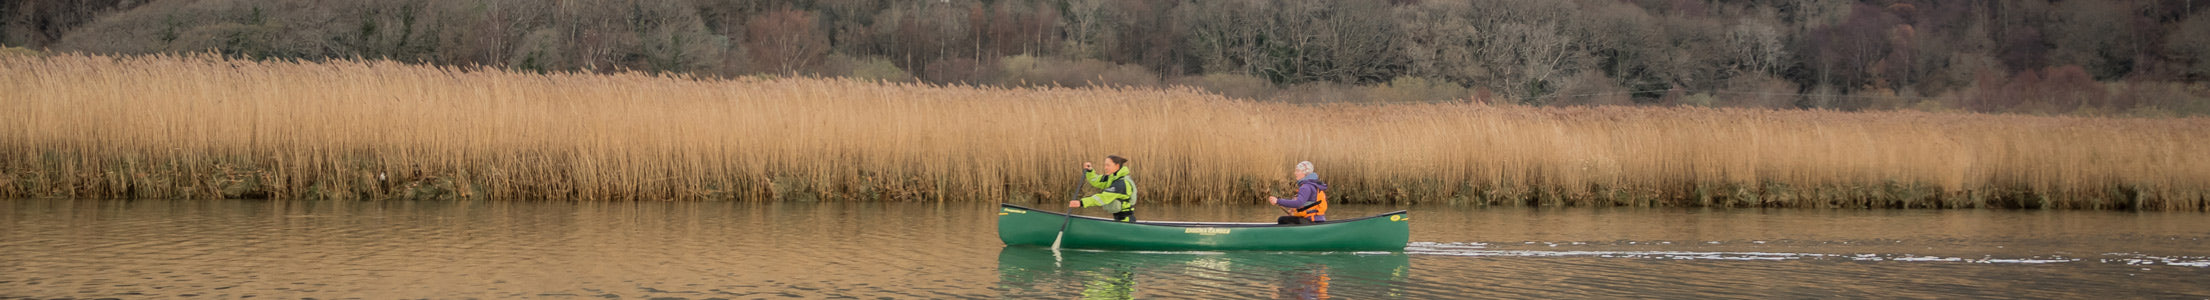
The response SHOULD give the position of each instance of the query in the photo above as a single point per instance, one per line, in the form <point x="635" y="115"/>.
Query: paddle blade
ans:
<point x="1055" y="240"/>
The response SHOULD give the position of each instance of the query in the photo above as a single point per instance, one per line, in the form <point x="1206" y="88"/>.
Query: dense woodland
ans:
<point x="2118" y="57"/>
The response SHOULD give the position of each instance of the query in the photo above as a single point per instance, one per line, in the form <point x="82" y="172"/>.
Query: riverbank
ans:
<point x="174" y="127"/>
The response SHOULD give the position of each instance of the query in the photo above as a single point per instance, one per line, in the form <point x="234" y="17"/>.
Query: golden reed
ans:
<point x="198" y="127"/>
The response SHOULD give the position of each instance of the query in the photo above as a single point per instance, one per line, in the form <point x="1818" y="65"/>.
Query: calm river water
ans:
<point x="263" y="249"/>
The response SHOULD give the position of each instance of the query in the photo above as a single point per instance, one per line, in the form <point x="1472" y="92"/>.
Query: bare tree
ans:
<point x="786" y="41"/>
<point x="2191" y="44"/>
<point x="1525" y="57"/>
<point x="2097" y="35"/>
<point x="1085" y="20"/>
<point x="1224" y="36"/>
<point x="1438" y="41"/>
<point x="1338" y="41"/>
<point x="1757" y="46"/>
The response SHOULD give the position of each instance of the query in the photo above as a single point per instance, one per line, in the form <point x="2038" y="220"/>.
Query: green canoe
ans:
<point x="1022" y="226"/>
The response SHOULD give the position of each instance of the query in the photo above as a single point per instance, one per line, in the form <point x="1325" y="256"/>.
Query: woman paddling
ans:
<point x="1310" y="204"/>
<point x="1119" y="196"/>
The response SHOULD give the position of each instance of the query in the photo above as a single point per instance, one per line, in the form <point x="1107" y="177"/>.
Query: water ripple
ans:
<point x="263" y="249"/>
<point x="1482" y="249"/>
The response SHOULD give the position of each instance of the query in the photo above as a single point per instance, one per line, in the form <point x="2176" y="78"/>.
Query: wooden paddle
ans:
<point x="1062" y="229"/>
<point x="1070" y="218"/>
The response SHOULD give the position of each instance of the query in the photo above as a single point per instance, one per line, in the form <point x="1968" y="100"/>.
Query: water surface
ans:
<point x="342" y="249"/>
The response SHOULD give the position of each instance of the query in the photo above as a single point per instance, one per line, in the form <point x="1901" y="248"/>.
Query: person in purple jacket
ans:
<point x="1310" y="204"/>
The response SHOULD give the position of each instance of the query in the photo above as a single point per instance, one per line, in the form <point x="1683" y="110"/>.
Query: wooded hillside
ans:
<point x="2137" y="57"/>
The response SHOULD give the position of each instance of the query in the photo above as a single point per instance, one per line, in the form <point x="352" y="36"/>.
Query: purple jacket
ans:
<point x="1308" y="190"/>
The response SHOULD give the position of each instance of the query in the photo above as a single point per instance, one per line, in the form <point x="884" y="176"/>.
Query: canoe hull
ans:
<point x="1022" y="226"/>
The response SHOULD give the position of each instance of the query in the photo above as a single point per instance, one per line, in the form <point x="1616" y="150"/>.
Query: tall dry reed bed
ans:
<point x="185" y="127"/>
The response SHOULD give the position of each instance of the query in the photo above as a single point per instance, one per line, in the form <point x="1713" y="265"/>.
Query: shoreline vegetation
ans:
<point x="197" y="127"/>
<point x="2043" y="57"/>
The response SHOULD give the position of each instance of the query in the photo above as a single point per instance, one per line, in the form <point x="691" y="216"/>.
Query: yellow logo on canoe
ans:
<point x="1398" y="218"/>
<point x="1205" y="230"/>
<point x="1009" y="210"/>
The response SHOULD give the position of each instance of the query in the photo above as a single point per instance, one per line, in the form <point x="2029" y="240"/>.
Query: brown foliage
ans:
<point x="961" y="70"/>
<point x="41" y="23"/>
<point x="2048" y="91"/>
<point x="168" y="127"/>
<point x="1044" y="71"/>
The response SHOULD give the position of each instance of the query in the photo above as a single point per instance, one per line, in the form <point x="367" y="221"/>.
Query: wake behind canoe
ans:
<point x="1022" y="226"/>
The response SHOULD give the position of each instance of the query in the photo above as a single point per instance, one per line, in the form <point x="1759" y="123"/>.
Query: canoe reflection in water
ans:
<point x="1031" y="272"/>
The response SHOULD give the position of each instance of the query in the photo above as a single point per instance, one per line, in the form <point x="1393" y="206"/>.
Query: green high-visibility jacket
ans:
<point x="1119" y="194"/>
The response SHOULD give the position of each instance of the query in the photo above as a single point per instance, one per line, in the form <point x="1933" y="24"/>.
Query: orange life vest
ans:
<point x="1319" y="207"/>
